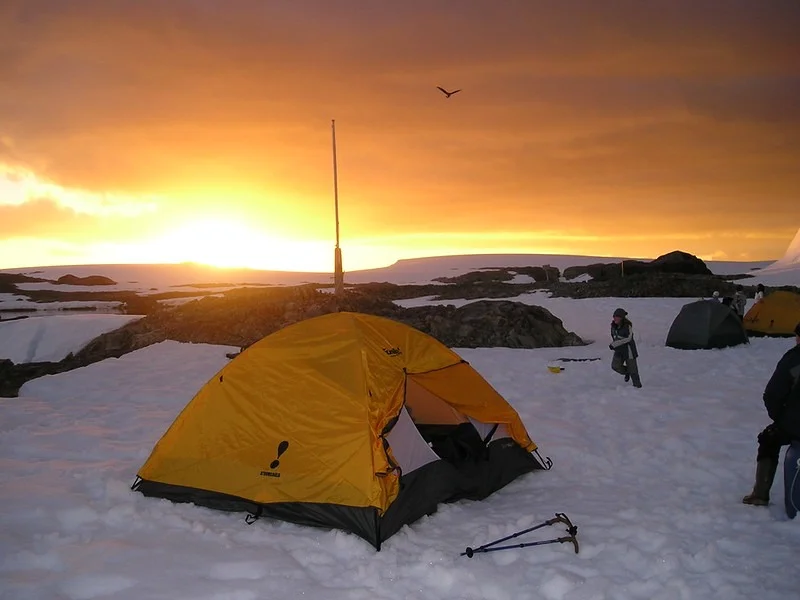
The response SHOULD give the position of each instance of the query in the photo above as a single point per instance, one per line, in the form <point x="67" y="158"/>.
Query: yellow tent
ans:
<point x="346" y="421"/>
<point x="777" y="315"/>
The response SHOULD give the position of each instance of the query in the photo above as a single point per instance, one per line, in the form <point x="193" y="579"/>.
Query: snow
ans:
<point x="785" y="270"/>
<point x="23" y="305"/>
<point x="187" y="299"/>
<point x="776" y="278"/>
<point x="51" y="338"/>
<point x="589" y="317"/>
<point x="652" y="477"/>
<point x="519" y="278"/>
<point x="791" y="258"/>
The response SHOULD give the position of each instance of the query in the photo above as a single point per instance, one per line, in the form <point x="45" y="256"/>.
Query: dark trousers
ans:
<point x="626" y="366"/>
<point x="770" y="442"/>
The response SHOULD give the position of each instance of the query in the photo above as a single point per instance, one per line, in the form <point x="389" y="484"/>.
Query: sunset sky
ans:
<point x="200" y="130"/>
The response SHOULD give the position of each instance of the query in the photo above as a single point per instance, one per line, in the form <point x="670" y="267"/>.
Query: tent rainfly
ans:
<point x="776" y="315"/>
<point x="346" y="421"/>
<point x="706" y="324"/>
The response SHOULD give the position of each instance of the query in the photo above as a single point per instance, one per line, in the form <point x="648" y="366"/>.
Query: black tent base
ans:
<point x="421" y="491"/>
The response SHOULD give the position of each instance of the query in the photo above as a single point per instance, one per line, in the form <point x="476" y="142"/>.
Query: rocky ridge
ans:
<point x="246" y="314"/>
<point x="242" y="317"/>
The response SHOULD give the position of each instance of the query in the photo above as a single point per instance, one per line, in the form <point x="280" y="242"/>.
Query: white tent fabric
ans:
<point x="484" y="429"/>
<point x="408" y="446"/>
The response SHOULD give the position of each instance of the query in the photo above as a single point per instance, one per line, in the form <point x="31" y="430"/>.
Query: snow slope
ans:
<point x="52" y="338"/>
<point x="652" y="477"/>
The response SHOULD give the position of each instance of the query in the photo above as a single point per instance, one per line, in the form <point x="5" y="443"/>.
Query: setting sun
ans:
<point x="221" y="243"/>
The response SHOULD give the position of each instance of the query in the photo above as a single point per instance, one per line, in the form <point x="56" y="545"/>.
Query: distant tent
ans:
<point x="777" y="315"/>
<point x="345" y="421"/>
<point x="706" y="324"/>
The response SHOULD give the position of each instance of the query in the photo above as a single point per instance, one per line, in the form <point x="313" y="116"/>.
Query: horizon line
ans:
<point x="396" y="262"/>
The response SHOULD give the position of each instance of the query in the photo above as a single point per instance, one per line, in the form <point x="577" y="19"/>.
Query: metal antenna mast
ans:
<point x="338" y="274"/>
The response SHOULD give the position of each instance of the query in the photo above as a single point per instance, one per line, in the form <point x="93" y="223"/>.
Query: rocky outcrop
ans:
<point x="488" y="324"/>
<point x="573" y="272"/>
<point x="649" y="285"/>
<point x="241" y="321"/>
<point x="679" y="262"/>
<point x="483" y="276"/>
<point x="70" y="279"/>
<point x="673" y="262"/>
<point x="8" y="282"/>
<point x="12" y="376"/>
<point x="243" y="317"/>
<point x="501" y="275"/>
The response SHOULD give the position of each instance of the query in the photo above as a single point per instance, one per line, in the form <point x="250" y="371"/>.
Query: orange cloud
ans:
<point x="670" y="116"/>
<point x="41" y="217"/>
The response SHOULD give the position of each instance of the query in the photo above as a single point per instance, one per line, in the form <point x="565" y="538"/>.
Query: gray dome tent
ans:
<point x="706" y="324"/>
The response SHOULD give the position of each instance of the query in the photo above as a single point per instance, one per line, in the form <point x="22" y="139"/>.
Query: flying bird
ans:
<point x="445" y="92"/>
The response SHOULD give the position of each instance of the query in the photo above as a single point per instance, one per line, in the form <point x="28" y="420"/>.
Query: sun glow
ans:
<point x="18" y="186"/>
<point x="219" y="243"/>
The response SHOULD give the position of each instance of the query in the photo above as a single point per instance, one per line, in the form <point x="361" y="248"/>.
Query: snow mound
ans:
<point x="791" y="258"/>
<point x="51" y="338"/>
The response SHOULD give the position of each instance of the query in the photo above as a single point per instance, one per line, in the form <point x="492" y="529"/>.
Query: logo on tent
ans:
<point x="393" y="351"/>
<point x="282" y="447"/>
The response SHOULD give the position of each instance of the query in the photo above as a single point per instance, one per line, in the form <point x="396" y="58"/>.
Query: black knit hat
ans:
<point x="621" y="312"/>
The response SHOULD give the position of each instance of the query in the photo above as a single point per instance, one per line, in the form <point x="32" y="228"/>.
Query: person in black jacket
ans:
<point x="624" y="347"/>
<point x="782" y="401"/>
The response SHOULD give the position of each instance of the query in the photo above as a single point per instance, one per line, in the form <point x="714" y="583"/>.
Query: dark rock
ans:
<point x="489" y="324"/>
<point x="70" y="279"/>
<point x="8" y="282"/>
<point x="478" y="277"/>
<point x="539" y="274"/>
<point x="648" y="285"/>
<point x="673" y="262"/>
<point x="141" y="305"/>
<point x="573" y="272"/>
<point x="679" y="262"/>
<point x="242" y="317"/>
<point x="496" y="275"/>
<point x="13" y="376"/>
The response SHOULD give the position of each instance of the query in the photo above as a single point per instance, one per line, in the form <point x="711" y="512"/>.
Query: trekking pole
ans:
<point x="570" y="538"/>
<point x="559" y="518"/>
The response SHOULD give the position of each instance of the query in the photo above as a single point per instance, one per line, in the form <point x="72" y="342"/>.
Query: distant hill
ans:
<point x="150" y="278"/>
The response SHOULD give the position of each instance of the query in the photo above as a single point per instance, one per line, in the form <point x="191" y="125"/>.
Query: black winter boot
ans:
<point x="765" y="473"/>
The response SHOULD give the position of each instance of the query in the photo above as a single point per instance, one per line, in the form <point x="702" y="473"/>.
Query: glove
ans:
<point x="611" y="346"/>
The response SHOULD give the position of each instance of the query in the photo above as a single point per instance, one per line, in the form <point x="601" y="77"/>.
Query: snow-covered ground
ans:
<point x="51" y="338"/>
<point x="785" y="270"/>
<point x="20" y="303"/>
<point x="155" y="279"/>
<point x="790" y="261"/>
<point x="652" y="477"/>
<point x="151" y="279"/>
